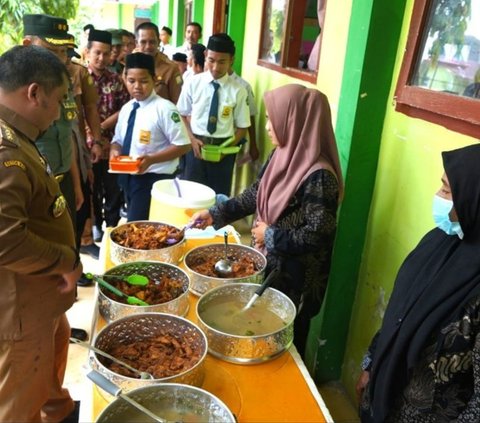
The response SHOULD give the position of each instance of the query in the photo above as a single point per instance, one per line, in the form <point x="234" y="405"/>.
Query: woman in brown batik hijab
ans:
<point x="295" y="199"/>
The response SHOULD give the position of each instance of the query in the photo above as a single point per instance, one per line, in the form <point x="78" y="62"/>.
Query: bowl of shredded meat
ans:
<point x="145" y="240"/>
<point x="248" y="266"/>
<point x="171" y="348"/>
<point x="165" y="292"/>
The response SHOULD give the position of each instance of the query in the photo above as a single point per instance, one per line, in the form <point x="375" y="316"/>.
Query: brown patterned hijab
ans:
<point x="301" y="120"/>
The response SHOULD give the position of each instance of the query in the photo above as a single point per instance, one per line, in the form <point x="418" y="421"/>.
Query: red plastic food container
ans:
<point x="124" y="164"/>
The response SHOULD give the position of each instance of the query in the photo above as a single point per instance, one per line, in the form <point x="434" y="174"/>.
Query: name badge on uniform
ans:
<point x="144" y="137"/>
<point x="59" y="206"/>
<point x="227" y="111"/>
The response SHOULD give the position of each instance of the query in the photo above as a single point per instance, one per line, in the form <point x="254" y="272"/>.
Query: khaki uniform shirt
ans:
<point x="168" y="81"/>
<point x="36" y="233"/>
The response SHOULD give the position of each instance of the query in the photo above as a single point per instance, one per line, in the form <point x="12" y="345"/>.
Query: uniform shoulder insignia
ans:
<point x="17" y="163"/>
<point x="179" y="79"/>
<point x="7" y="136"/>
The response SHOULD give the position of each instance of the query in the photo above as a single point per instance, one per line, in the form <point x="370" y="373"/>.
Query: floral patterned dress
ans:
<point x="445" y="383"/>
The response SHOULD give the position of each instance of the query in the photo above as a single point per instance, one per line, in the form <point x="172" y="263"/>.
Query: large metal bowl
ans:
<point x="120" y="254"/>
<point x="248" y="349"/>
<point x="199" y="284"/>
<point x="143" y="326"/>
<point x="112" y="310"/>
<point x="172" y="401"/>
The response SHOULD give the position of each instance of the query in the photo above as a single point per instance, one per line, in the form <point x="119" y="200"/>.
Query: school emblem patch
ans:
<point x="175" y="117"/>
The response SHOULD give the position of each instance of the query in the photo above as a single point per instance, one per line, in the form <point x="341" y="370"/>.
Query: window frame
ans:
<point x="283" y="67"/>
<point x="455" y="112"/>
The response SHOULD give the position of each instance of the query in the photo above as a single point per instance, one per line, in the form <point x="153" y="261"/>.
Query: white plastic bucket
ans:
<point x="168" y="207"/>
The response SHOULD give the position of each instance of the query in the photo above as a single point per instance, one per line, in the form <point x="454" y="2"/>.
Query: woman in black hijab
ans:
<point x="424" y="363"/>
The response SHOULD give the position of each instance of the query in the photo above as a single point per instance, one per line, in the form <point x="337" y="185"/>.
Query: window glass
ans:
<point x="449" y="54"/>
<point x="290" y="31"/>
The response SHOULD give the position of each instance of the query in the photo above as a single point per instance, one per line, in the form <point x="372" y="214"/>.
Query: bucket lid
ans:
<point x="194" y="195"/>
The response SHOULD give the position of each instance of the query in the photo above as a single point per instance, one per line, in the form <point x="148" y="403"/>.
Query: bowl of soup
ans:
<point x="248" y="266"/>
<point x="172" y="401"/>
<point x="258" y="334"/>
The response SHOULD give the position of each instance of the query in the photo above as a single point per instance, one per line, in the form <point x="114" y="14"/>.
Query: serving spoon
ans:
<point x="224" y="266"/>
<point x="116" y="391"/>
<point x="143" y="375"/>
<point x="261" y="289"/>
<point x="130" y="299"/>
<point x="133" y="279"/>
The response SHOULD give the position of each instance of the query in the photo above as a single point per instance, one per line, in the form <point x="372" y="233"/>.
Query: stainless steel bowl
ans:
<point x="199" y="284"/>
<point x="120" y="254"/>
<point x="172" y="401"/>
<point x="144" y="326"/>
<point x="248" y="349"/>
<point x="112" y="310"/>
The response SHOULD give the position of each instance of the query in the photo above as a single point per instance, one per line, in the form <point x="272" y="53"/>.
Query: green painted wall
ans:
<point x="408" y="175"/>
<point x="236" y="29"/>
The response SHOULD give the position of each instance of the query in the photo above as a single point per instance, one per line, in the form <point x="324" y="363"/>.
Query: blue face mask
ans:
<point x="441" y="209"/>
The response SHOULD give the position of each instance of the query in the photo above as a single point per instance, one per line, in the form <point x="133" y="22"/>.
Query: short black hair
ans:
<point x="198" y="54"/>
<point x="25" y="65"/>
<point x="195" y="24"/>
<point x="146" y="26"/>
<point x="167" y="30"/>
<point x="88" y="26"/>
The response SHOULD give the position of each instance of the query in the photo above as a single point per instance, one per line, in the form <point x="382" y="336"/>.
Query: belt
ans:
<point x="60" y="177"/>
<point x="211" y="140"/>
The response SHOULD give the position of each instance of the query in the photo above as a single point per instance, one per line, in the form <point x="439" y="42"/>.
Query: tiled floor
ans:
<point x="81" y="314"/>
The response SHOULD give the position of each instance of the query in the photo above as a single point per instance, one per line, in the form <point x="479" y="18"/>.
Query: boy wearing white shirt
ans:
<point x="150" y="128"/>
<point x="209" y="124"/>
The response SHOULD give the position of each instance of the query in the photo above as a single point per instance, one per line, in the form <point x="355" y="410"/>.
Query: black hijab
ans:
<point x="436" y="279"/>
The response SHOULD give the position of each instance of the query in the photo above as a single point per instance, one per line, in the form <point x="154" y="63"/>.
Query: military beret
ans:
<point x="50" y="28"/>
<point x="140" y="61"/>
<point x="100" y="36"/>
<point x="180" y="57"/>
<point x="221" y="43"/>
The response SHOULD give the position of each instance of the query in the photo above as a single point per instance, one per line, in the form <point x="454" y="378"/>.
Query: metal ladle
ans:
<point x="143" y="375"/>
<point x="114" y="390"/>
<point x="224" y="266"/>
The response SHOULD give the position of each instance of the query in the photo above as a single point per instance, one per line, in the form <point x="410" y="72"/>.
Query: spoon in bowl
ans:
<point x="130" y="299"/>
<point x="143" y="375"/>
<point x="224" y="266"/>
<point x="133" y="279"/>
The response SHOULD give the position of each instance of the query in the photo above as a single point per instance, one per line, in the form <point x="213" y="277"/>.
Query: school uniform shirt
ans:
<point x="233" y="110"/>
<point x="168" y="50"/>
<point x="157" y="126"/>
<point x="251" y="97"/>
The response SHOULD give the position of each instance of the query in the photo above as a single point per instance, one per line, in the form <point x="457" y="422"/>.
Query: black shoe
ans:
<point x="78" y="333"/>
<point x="84" y="281"/>
<point x="97" y="233"/>
<point x="92" y="250"/>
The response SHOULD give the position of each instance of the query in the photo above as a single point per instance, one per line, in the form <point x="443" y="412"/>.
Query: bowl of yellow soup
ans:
<point x="258" y="334"/>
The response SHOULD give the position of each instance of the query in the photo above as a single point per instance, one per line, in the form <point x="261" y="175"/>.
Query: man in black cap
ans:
<point x="112" y="95"/>
<point x="149" y="128"/>
<point x="57" y="143"/>
<point x="38" y="260"/>
<point x="215" y="109"/>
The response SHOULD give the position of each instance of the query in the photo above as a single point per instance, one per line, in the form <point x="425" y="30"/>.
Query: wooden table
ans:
<point x="280" y="390"/>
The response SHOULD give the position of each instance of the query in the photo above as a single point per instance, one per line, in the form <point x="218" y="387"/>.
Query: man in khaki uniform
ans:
<point x="168" y="81"/>
<point x="38" y="260"/>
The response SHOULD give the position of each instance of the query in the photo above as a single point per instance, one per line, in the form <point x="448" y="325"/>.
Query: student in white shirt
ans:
<point x="158" y="139"/>
<point x="231" y="121"/>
